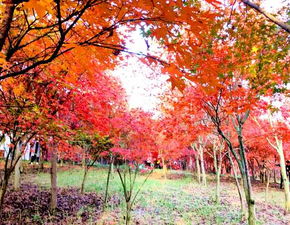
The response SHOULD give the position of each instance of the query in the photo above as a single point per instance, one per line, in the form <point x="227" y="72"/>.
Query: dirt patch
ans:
<point x="175" y="176"/>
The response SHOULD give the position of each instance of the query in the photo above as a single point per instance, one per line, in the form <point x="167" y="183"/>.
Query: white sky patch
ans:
<point x="273" y="5"/>
<point x="143" y="84"/>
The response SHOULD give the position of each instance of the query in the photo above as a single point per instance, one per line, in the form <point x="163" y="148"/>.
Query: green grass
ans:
<point x="172" y="201"/>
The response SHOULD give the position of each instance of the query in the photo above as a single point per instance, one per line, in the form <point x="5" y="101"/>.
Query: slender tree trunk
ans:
<point x="9" y="167"/>
<point x="198" y="169"/>
<point x="3" y="189"/>
<point x="17" y="169"/>
<point x="252" y="166"/>
<point x="215" y="163"/>
<point x="2" y="194"/>
<point x="217" y="167"/>
<point x="237" y="184"/>
<point x="261" y="176"/>
<point x="284" y="177"/>
<point x="164" y="167"/>
<point x="128" y="212"/>
<point x="279" y="148"/>
<point x="108" y="181"/>
<point x="267" y="185"/>
<point x="202" y="167"/>
<point x="86" y="169"/>
<point x="218" y="185"/>
<point x="84" y="161"/>
<point x="53" y="179"/>
<point x="41" y="161"/>
<point x="242" y="163"/>
<point x="112" y="165"/>
<point x="189" y="165"/>
<point x="246" y="181"/>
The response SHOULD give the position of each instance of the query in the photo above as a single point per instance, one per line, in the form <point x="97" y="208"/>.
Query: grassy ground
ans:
<point x="177" y="200"/>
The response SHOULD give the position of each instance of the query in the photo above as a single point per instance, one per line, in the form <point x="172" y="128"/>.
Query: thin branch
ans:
<point x="141" y="186"/>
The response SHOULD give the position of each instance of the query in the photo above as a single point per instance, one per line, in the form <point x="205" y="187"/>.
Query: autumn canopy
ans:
<point x="226" y="108"/>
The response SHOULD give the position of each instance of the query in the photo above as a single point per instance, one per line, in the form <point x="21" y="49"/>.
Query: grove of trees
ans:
<point x="227" y="63"/>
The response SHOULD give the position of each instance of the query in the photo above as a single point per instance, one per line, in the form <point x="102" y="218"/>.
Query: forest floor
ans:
<point x="179" y="200"/>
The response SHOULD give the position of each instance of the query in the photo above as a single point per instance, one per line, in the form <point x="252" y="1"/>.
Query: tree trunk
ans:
<point x="3" y="190"/>
<point x="164" y="167"/>
<point x="128" y="212"/>
<point x="202" y="167"/>
<point x="242" y="163"/>
<point x="237" y="184"/>
<point x="246" y="181"/>
<point x="86" y="169"/>
<point x="190" y="163"/>
<point x="198" y="169"/>
<point x="218" y="185"/>
<point x="284" y="177"/>
<point x="84" y="161"/>
<point x="17" y="168"/>
<point x="9" y="167"/>
<point x="217" y="167"/>
<point x="112" y="165"/>
<point x="267" y="185"/>
<point x="41" y="161"/>
<point x="252" y="166"/>
<point x="108" y="181"/>
<point x="249" y="198"/>
<point x="261" y="176"/>
<point x="53" y="179"/>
